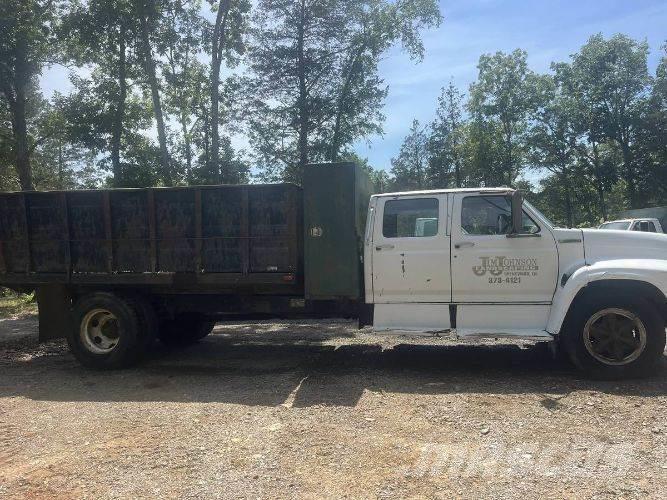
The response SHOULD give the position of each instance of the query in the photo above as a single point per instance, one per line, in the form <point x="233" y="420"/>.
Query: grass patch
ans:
<point x="16" y="305"/>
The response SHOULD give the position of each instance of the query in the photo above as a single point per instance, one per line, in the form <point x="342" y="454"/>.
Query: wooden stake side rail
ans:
<point x="200" y="235"/>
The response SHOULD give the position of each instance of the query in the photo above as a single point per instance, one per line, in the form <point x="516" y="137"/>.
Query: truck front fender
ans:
<point x="646" y="276"/>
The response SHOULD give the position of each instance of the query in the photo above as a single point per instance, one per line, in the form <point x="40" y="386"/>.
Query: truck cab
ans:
<point x="493" y="265"/>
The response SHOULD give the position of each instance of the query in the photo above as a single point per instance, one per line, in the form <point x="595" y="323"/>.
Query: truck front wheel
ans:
<point x="106" y="332"/>
<point x="615" y="337"/>
<point x="185" y="329"/>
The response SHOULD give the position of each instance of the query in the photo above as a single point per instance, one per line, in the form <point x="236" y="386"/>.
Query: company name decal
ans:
<point x="496" y="266"/>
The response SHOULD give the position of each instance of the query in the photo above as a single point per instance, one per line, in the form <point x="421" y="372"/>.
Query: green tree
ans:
<point x="504" y="92"/>
<point x="373" y="27"/>
<point x="613" y="77"/>
<point x="410" y="167"/>
<point x="653" y="139"/>
<point x="552" y="200"/>
<point x="151" y="18"/>
<point x="185" y="79"/>
<point x="596" y="156"/>
<point x="27" y="43"/>
<point x="56" y="162"/>
<point x="226" y="45"/>
<point x="292" y="58"/>
<point x="315" y="85"/>
<point x="91" y="118"/>
<point x="553" y="138"/>
<point x="481" y="149"/>
<point x="101" y="34"/>
<point x="445" y="140"/>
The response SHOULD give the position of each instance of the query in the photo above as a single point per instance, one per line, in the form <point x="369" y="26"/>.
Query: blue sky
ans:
<point x="549" y="30"/>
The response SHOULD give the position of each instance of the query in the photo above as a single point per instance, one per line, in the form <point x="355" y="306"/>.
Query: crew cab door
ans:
<point x="490" y="267"/>
<point x="411" y="250"/>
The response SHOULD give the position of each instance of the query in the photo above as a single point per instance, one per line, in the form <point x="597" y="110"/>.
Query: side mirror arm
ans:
<point x="517" y="215"/>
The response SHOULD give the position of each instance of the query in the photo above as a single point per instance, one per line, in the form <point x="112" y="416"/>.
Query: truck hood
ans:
<point x="610" y="245"/>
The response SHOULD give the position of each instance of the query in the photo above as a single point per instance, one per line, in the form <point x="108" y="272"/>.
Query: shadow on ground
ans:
<point x="298" y="365"/>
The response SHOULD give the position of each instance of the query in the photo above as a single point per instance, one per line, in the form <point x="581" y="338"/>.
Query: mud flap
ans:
<point x="365" y="315"/>
<point x="54" y="303"/>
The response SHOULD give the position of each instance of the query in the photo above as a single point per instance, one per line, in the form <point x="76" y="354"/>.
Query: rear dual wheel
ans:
<point x="185" y="329"/>
<point x="109" y="331"/>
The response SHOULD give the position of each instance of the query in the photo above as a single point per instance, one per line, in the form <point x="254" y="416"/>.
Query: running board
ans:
<point x="538" y="335"/>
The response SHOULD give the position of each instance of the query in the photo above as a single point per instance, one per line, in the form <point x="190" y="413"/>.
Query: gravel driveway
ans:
<point x="319" y="409"/>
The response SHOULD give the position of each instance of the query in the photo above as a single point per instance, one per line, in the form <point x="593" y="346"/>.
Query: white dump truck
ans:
<point x="115" y="269"/>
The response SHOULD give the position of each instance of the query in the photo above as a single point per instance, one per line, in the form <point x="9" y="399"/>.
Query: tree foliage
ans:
<point x="410" y="167"/>
<point x="314" y="86"/>
<point x="592" y="133"/>
<point x="27" y="43"/>
<point x="170" y="92"/>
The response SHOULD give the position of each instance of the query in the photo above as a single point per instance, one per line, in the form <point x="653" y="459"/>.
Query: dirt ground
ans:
<point x="321" y="410"/>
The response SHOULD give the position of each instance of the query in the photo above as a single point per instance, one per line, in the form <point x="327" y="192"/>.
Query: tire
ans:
<point x="185" y="329"/>
<point x="106" y="332"/>
<point x="147" y="318"/>
<point x="615" y="337"/>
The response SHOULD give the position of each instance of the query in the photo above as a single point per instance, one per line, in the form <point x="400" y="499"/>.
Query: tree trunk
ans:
<point x="16" y="98"/>
<point x="629" y="175"/>
<point x="304" y="117"/>
<point x="454" y="138"/>
<point x="334" y="150"/>
<point x="20" y="130"/>
<point x="61" y="166"/>
<point x="119" y="115"/>
<point x="217" y="45"/>
<point x="149" y="64"/>
<point x="215" y="119"/>
<point x="508" y="157"/>
<point x="457" y="171"/>
<point x="186" y="143"/>
<point x="599" y="186"/>
<point x="568" y="199"/>
<point x="207" y="141"/>
<point x="599" y="189"/>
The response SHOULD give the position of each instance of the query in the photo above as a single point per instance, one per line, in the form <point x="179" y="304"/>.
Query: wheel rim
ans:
<point x="99" y="331"/>
<point x="615" y="336"/>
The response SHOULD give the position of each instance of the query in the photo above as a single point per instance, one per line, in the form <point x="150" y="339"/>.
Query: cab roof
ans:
<point x="631" y="220"/>
<point x="494" y="190"/>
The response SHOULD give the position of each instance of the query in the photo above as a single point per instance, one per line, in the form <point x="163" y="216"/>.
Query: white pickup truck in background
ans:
<point x="482" y="262"/>
<point x="642" y="225"/>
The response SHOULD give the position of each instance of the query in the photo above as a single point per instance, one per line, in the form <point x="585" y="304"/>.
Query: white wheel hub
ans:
<point x="99" y="331"/>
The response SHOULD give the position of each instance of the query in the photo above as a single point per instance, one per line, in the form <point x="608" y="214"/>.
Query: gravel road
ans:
<point x="321" y="410"/>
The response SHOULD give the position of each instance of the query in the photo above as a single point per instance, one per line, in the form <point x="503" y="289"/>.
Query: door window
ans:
<point x="490" y="215"/>
<point x="410" y="218"/>
<point x="644" y="226"/>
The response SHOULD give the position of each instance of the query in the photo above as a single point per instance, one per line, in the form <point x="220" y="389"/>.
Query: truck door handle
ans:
<point x="464" y="244"/>
<point x="384" y="247"/>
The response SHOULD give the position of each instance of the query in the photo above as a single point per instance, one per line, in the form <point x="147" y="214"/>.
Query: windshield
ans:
<point x="622" y="225"/>
<point x="539" y="214"/>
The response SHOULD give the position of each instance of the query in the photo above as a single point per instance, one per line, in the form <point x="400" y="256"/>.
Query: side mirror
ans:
<point x="517" y="213"/>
